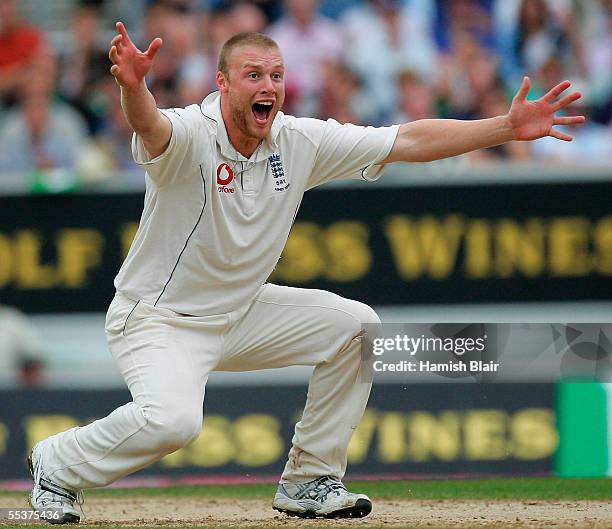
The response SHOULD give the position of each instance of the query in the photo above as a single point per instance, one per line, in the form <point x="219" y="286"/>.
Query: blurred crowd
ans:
<point x="367" y="62"/>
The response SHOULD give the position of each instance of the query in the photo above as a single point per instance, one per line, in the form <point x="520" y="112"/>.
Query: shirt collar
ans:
<point x="211" y="108"/>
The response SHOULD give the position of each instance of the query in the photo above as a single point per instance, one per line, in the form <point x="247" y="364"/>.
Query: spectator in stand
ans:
<point x="172" y="21"/>
<point x="85" y="63"/>
<point x="341" y="97"/>
<point x="197" y="71"/>
<point x="597" y="24"/>
<point x="112" y="152"/>
<point x="416" y="99"/>
<point x="540" y="29"/>
<point x="22" y="51"/>
<point x="549" y="74"/>
<point x="219" y="30"/>
<point x="385" y="37"/>
<point x="271" y="9"/>
<point x="469" y="70"/>
<point x="472" y="16"/>
<point x="308" y="40"/>
<point x="21" y="352"/>
<point x="453" y="84"/>
<point x="247" y="17"/>
<point x="40" y="134"/>
<point x="483" y="78"/>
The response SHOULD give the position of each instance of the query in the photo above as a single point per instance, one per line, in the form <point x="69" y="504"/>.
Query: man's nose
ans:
<point x="268" y="85"/>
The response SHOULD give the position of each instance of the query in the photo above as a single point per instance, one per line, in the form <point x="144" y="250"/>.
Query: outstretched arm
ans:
<point x="130" y="66"/>
<point x="432" y="139"/>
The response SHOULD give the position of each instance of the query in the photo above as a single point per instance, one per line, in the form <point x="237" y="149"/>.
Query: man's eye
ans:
<point x="277" y="76"/>
<point x="253" y="75"/>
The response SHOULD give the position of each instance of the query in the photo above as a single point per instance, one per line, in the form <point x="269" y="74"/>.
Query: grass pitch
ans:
<point x="465" y="489"/>
<point x="482" y="503"/>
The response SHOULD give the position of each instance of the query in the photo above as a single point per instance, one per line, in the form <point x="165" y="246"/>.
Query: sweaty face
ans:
<point x="255" y="88"/>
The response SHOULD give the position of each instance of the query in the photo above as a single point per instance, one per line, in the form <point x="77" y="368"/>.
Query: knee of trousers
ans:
<point x="363" y="320"/>
<point x="171" y="428"/>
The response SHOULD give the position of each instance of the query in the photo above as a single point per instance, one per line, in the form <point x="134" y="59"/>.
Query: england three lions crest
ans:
<point x="278" y="173"/>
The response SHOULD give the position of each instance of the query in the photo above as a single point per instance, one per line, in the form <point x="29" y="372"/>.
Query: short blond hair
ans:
<point x="248" y="38"/>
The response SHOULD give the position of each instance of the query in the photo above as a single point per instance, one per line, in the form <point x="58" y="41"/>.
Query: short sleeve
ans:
<point x="351" y="151"/>
<point x="177" y="158"/>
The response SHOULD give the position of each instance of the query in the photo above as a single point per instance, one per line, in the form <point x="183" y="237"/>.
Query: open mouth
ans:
<point x="261" y="111"/>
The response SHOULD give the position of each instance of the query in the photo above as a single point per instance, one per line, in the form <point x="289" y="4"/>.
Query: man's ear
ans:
<point x="222" y="82"/>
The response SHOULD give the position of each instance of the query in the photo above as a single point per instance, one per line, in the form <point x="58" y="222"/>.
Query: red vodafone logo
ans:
<point x="225" y="174"/>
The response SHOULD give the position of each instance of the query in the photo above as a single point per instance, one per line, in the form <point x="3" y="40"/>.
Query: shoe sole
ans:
<point x="67" y="518"/>
<point x="361" y="509"/>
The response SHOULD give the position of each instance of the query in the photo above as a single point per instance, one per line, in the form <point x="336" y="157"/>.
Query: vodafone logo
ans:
<point x="225" y="175"/>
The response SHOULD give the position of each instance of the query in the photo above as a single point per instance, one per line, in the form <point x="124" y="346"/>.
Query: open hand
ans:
<point x="130" y="65"/>
<point x="531" y="120"/>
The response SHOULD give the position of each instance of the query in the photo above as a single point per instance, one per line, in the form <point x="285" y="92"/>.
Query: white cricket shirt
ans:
<point x="214" y="223"/>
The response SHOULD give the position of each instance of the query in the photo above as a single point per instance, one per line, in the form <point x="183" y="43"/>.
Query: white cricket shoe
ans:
<point x="48" y="497"/>
<point x="324" y="497"/>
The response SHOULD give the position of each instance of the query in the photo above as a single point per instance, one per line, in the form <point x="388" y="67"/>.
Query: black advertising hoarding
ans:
<point x="420" y="429"/>
<point x="381" y="245"/>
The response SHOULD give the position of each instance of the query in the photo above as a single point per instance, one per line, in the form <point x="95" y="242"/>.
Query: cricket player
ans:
<point x="224" y="181"/>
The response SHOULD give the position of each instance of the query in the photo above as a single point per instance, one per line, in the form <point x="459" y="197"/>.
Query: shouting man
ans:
<point x="224" y="181"/>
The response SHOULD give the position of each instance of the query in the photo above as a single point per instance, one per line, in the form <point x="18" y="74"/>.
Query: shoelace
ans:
<point x="80" y="500"/>
<point x="324" y="486"/>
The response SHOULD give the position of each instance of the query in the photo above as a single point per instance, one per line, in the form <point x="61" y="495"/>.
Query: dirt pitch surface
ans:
<point x="146" y="511"/>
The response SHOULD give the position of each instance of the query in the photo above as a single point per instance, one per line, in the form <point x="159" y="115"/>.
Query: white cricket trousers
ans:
<point x="165" y="359"/>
